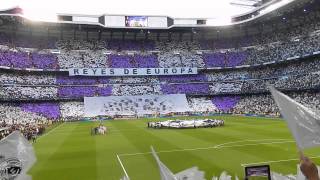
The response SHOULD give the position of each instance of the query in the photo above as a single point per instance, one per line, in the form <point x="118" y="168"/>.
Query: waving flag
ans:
<point x="165" y="172"/>
<point x="191" y="174"/>
<point x="16" y="157"/>
<point x="125" y="178"/>
<point x="303" y="122"/>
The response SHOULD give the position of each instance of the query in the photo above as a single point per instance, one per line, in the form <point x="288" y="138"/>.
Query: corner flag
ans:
<point x="303" y="123"/>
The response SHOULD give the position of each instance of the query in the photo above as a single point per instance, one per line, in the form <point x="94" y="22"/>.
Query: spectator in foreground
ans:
<point x="308" y="168"/>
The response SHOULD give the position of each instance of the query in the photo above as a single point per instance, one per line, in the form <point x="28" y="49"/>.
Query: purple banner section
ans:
<point x="49" y="110"/>
<point x="225" y="103"/>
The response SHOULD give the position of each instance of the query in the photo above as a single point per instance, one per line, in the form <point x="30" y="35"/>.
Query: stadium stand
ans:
<point x="235" y="66"/>
<point x="287" y="58"/>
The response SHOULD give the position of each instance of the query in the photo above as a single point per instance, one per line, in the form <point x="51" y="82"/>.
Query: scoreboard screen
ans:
<point x="136" y="21"/>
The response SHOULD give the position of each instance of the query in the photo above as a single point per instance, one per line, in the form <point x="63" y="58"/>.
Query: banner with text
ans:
<point x="135" y="105"/>
<point x="132" y="71"/>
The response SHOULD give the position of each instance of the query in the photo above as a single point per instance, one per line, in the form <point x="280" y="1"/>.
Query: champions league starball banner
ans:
<point x="132" y="71"/>
<point x="135" y="105"/>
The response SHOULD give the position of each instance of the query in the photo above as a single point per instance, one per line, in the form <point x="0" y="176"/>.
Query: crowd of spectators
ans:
<point x="78" y="92"/>
<point x="281" y="44"/>
<point x="297" y="75"/>
<point x="167" y="57"/>
<point x="225" y="87"/>
<point x="29" y="130"/>
<point x="82" y="59"/>
<point x="14" y="92"/>
<point x="284" y="70"/>
<point x="261" y="104"/>
<point x="129" y="90"/>
<point x="79" y="45"/>
<point x="221" y="90"/>
<point x="12" y="113"/>
<point x="185" y="88"/>
<point x="25" y="59"/>
<point x="28" y="93"/>
<point x="171" y="58"/>
<point x="137" y="45"/>
<point x="201" y="104"/>
<point x="27" y="79"/>
<point x="30" y="118"/>
<point x="74" y="109"/>
<point x="80" y="53"/>
<point x="256" y="104"/>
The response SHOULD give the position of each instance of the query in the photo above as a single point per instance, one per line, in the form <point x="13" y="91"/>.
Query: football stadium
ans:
<point x="148" y="90"/>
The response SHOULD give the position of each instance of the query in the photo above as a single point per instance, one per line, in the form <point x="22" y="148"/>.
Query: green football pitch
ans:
<point x="69" y="152"/>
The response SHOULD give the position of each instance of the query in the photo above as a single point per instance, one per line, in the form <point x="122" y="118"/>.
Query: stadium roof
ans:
<point x="44" y="9"/>
<point x="141" y="14"/>
<point x="71" y="25"/>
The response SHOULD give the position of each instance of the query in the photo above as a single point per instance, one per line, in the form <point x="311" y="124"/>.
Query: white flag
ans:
<point x="191" y="174"/>
<point x="224" y="176"/>
<point x="16" y="157"/>
<point x="302" y="121"/>
<point x="165" y="172"/>
<point x="125" y="178"/>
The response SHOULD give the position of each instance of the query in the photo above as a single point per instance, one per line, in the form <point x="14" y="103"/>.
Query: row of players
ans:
<point x="195" y="123"/>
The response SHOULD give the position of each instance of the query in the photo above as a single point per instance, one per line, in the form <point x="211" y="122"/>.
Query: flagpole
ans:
<point x="165" y="172"/>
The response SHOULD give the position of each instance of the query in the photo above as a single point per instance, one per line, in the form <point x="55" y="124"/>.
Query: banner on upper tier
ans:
<point x="132" y="71"/>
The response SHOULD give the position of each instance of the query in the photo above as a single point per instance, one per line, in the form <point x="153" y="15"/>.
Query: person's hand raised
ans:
<point x="308" y="168"/>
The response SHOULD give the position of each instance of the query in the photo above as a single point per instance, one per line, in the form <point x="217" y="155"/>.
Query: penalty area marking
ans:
<point x="124" y="169"/>
<point x="277" y="161"/>
<point x="219" y="146"/>
<point x="248" y="140"/>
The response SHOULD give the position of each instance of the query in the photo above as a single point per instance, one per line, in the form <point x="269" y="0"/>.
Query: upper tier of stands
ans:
<point x="183" y="57"/>
<point x="299" y="41"/>
<point x="43" y="95"/>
